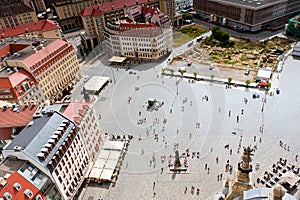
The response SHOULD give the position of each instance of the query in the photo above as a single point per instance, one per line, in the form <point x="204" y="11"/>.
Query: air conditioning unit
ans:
<point x="28" y="193"/>
<point x="17" y="186"/>
<point x="7" y="196"/>
<point x="17" y="148"/>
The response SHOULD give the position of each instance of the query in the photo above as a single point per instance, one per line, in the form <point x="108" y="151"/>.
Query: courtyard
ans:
<point x="183" y="108"/>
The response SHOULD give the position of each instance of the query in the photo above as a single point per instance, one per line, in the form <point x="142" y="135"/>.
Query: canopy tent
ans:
<point x="114" y="155"/>
<point x="111" y="164"/>
<point x="104" y="154"/>
<point x="107" y="174"/>
<point x="100" y="163"/>
<point x="114" y="145"/>
<point x="95" y="173"/>
<point x="117" y="59"/>
<point x="96" y="84"/>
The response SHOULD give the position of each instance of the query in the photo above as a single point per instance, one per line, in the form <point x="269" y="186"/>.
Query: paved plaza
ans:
<point x="221" y="123"/>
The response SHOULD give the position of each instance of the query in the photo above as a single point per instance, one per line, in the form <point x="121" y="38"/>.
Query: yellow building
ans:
<point x="16" y="13"/>
<point x="53" y="63"/>
<point x="41" y="29"/>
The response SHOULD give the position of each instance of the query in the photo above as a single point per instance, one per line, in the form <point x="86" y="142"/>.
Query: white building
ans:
<point x="183" y="4"/>
<point x="52" y="143"/>
<point x="85" y="117"/>
<point x="146" y="33"/>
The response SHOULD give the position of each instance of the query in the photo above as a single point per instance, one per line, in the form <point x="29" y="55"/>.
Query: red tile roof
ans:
<point x="42" y="26"/>
<point x="16" y="79"/>
<point x="31" y="60"/>
<point x="8" y="118"/>
<point x="75" y="111"/>
<point x="25" y="184"/>
<point x="109" y="6"/>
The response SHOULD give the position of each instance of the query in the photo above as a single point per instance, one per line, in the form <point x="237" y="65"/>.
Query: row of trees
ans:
<point x="212" y="76"/>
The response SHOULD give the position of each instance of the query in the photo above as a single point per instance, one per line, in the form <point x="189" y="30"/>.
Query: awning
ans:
<point x="117" y="59"/>
<point x="107" y="174"/>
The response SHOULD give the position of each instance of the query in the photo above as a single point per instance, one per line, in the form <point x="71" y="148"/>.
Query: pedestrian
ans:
<point x="296" y="158"/>
<point x="260" y="140"/>
<point x="230" y="151"/>
<point x="162" y="170"/>
<point x="218" y="177"/>
<point x="190" y="135"/>
<point x="170" y="111"/>
<point x="254" y="138"/>
<point x="221" y="176"/>
<point x="185" y="190"/>
<point x="229" y="114"/>
<point x="154" y="193"/>
<point x="99" y="116"/>
<point x="219" y="110"/>
<point x="211" y="149"/>
<point x="140" y="113"/>
<point x="217" y="159"/>
<point x="237" y="119"/>
<point x="142" y="152"/>
<point x="242" y="112"/>
<point x="205" y="166"/>
<point x="177" y="130"/>
<point x="150" y="162"/>
<point x="153" y="185"/>
<point x="208" y="170"/>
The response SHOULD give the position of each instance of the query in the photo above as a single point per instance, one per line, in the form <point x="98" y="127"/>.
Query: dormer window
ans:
<point x="26" y="86"/>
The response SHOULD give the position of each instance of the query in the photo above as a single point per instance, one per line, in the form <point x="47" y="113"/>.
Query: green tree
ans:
<point x="181" y="72"/>
<point x="247" y="83"/>
<point x="172" y="71"/>
<point x="212" y="76"/>
<point x="229" y="80"/>
<point x="268" y="85"/>
<point x="195" y="74"/>
<point x="187" y="16"/>
<point x="81" y="52"/>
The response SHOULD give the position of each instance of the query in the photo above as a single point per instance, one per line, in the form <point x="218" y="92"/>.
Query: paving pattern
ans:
<point x="279" y="121"/>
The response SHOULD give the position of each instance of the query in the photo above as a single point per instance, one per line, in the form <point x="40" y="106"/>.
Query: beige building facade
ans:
<point x="53" y="63"/>
<point x="16" y="13"/>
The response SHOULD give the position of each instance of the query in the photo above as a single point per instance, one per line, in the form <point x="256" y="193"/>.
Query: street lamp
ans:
<point x="113" y="75"/>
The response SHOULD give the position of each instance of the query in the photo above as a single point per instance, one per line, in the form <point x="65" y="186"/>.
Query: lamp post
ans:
<point x="113" y="75"/>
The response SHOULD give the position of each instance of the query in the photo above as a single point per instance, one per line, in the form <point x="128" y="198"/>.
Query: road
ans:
<point x="279" y="119"/>
<point x="253" y="37"/>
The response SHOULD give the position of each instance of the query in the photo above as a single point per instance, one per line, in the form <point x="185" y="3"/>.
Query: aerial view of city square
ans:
<point x="149" y="99"/>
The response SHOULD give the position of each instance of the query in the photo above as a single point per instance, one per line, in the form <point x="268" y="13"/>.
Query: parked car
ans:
<point x="67" y="99"/>
<point x="85" y="78"/>
<point x="211" y="67"/>
<point x="247" y="72"/>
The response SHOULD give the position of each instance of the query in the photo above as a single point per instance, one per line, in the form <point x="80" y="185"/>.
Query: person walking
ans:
<point x="205" y="166"/>
<point x="217" y="159"/>
<point x="153" y="185"/>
